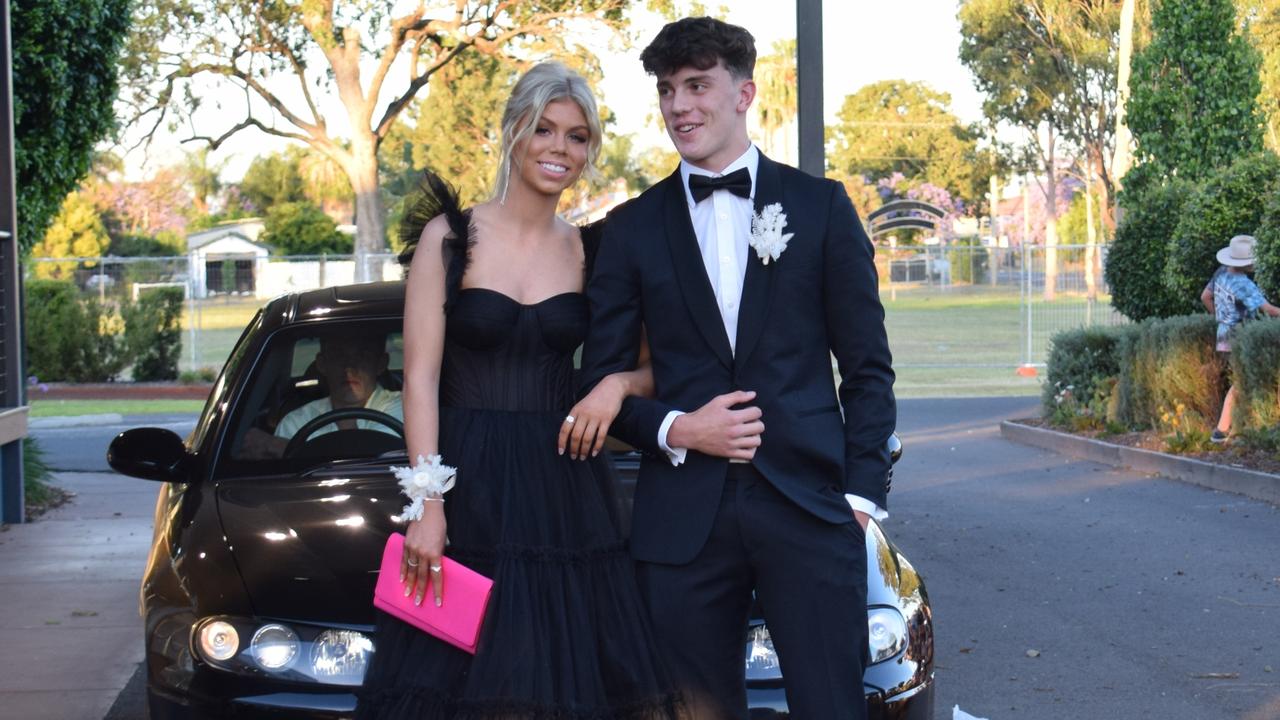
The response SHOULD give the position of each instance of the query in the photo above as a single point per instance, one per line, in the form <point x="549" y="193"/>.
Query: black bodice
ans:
<point x="502" y="355"/>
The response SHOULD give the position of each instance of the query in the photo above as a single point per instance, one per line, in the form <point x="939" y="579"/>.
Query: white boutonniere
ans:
<point x="766" y="232"/>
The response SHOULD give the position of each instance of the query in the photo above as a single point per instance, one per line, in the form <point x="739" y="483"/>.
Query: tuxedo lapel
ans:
<point x="691" y="274"/>
<point x="757" y="287"/>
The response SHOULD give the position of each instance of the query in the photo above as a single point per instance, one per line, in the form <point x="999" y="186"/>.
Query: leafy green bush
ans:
<point x="1268" y="247"/>
<point x="69" y="339"/>
<point x="970" y="264"/>
<point x="1230" y="203"/>
<point x="1255" y="370"/>
<point x="1169" y="363"/>
<point x="299" y="228"/>
<point x="1080" y="362"/>
<point x="1136" y="259"/>
<point x="153" y="333"/>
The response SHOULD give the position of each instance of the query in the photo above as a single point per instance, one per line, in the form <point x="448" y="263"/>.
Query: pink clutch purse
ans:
<point x="456" y="621"/>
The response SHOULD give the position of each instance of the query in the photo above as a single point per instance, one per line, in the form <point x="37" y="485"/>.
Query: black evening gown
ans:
<point x="566" y="635"/>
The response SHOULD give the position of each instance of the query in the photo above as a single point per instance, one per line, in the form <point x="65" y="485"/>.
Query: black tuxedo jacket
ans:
<point x="819" y="298"/>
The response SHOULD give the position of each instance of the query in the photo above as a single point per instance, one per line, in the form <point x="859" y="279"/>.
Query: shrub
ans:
<point x="298" y="228"/>
<point x="69" y="339"/>
<point x="153" y="333"/>
<point x="1136" y="258"/>
<point x="1230" y="203"/>
<point x="36" y="475"/>
<point x="1268" y="247"/>
<point x="1255" y="370"/>
<point x="970" y="264"/>
<point x="1167" y="363"/>
<point x="1081" y="362"/>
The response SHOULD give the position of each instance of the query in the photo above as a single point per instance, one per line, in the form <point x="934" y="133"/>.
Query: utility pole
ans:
<point x="813" y="158"/>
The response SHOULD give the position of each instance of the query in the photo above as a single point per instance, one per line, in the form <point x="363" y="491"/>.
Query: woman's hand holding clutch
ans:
<point x="424" y="544"/>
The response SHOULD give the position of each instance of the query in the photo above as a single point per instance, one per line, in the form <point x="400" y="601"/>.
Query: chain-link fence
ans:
<point x="960" y="318"/>
<point x="221" y="293"/>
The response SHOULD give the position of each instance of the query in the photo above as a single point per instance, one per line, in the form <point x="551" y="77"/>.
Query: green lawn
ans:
<point x="977" y="333"/>
<point x="60" y="408"/>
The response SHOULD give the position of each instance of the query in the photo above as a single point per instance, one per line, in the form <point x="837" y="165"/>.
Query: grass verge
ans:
<point x="63" y="408"/>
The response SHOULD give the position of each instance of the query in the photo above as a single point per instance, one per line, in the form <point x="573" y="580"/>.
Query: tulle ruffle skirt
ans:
<point x="566" y="635"/>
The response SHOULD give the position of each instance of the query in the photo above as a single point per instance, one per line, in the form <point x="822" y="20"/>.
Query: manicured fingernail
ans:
<point x="417" y="600"/>
<point x="407" y="591"/>
<point x="402" y="576"/>
<point x="560" y="451"/>
<point x="439" y="602"/>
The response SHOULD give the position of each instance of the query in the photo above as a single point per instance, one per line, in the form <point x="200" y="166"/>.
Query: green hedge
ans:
<point x="1230" y="203"/>
<point x="1255" y="370"/>
<point x="1170" y="363"/>
<point x="1136" y="258"/>
<point x="971" y="265"/>
<point x="153" y="333"/>
<point x="70" y="339"/>
<point x="1268" y="247"/>
<point x="1081" y="361"/>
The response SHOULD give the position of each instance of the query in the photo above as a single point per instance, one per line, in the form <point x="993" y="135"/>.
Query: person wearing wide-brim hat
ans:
<point x="1233" y="298"/>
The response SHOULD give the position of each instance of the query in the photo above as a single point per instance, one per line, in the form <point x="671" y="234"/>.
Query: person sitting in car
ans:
<point x="349" y="367"/>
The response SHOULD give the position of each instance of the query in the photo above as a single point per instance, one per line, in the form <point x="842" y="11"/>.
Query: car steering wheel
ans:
<point x="300" y="438"/>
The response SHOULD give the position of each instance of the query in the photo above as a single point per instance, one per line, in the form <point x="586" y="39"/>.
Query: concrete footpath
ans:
<point x="69" y="599"/>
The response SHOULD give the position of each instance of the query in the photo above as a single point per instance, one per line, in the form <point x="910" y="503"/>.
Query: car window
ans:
<point x="319" y="393"/>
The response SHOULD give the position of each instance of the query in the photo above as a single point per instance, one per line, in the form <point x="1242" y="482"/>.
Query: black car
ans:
<point x="257" y="593"/>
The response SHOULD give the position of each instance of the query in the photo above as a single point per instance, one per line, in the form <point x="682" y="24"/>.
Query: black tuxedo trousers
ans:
<point x="706" y="541"/>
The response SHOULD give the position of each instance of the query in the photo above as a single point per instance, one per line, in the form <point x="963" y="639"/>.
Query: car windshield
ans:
<point x="322" y="392"/>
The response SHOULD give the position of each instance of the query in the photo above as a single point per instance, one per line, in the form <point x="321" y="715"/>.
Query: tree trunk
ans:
<point x="371" y="221"/>
<point x="1123" y="158"/>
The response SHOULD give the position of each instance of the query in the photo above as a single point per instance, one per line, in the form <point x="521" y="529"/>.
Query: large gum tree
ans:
<point x="283" y="61"/>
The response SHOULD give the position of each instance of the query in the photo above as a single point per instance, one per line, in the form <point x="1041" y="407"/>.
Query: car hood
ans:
<point x="308" y="548"/>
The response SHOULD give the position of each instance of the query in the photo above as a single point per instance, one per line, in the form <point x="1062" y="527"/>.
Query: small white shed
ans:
<point x="226" y="259"/>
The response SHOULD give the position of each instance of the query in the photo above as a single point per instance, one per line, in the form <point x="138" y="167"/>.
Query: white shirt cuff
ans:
<point x="675" y="455"/>
<point x="858" y="502"/>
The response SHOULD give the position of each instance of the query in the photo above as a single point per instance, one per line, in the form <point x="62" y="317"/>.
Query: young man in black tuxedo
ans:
<point x="746" y="275"/>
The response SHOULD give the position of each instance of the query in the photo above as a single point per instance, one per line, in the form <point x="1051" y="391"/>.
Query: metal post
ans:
<point x="12" y="366"/>
<point x="809" y="87"/>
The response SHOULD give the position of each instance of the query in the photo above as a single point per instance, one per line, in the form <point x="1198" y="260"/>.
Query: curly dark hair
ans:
<point x="699" y="43"/>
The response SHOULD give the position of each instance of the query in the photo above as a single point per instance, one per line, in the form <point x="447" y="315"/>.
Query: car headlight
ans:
<point x="273" y="647"/>
<point x="762" y="659"/>
<point x="341" y="656"/>
<point x="886" y="633"/>
<point x="304" y="653"/>
<point x="219" y="640"/>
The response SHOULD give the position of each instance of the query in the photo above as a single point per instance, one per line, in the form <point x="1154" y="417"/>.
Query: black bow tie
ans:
<point x="737" y="182"/>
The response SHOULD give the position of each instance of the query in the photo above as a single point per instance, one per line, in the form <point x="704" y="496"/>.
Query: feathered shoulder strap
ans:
<point x="431" y="197"/>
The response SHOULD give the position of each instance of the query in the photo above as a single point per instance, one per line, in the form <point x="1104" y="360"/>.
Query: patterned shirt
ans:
<point x="1235" y="299"/>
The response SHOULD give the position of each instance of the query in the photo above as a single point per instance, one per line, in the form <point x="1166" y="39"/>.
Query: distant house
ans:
<point x="226" y="258"/>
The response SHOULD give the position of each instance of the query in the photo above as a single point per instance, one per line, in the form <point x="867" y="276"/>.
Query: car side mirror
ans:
<point x="148" y="453"/>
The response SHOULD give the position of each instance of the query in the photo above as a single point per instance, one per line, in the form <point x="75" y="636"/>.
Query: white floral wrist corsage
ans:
<point x="427" y="481"/>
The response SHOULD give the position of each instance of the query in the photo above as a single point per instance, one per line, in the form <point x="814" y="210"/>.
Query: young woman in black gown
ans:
<point x="494" y="311"/>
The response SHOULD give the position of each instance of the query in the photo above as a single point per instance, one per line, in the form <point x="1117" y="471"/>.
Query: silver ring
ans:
<point x="411" y="562"/>
<point x="436" y="568"/>
<point x="570" y="419"/>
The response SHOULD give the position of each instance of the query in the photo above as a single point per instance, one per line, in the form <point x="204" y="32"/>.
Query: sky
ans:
<point x="864" y="41"/>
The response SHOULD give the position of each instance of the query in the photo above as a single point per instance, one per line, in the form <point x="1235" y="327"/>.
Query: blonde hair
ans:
<point x="541" y="85"/>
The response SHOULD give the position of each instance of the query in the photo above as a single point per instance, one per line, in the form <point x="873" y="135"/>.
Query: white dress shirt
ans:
<point x="722" y="224"/>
